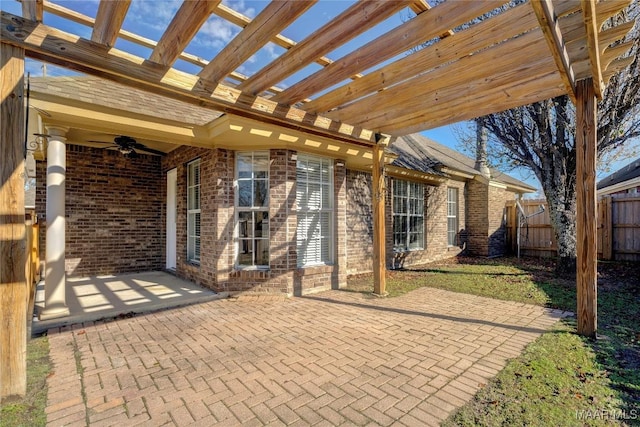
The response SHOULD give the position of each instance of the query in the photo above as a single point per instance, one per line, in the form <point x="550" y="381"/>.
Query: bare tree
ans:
<point x="541" y="137"/>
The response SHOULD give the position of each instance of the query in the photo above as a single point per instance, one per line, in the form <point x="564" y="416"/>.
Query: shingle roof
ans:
<point x="419" y="152"/>
<point x="630" y="171"/>
<point x="414" y="156"/>
<point x="97" y="91"/>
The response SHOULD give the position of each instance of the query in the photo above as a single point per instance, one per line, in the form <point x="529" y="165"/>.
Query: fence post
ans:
<point x="511" y="235"/>
<point x="607" y="228"/>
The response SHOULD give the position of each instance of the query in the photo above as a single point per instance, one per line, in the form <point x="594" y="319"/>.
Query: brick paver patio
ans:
<point x="330" y="359"/>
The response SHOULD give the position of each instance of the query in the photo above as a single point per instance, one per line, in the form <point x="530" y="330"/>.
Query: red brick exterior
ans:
<point x="114" y="212"/>
<point x="360" y="225"/>
<point x="486" y="222"/>
<point x="204" y="273"/>
<point x="217" y="266"/>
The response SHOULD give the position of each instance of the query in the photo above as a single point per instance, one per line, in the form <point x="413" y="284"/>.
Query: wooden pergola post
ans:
<point x="586" y="208"/>
<point x="379" y="254"/>
<point x="13" y="285"/>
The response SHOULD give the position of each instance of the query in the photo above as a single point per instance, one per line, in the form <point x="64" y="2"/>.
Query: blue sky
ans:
<point x="150" y="18"/>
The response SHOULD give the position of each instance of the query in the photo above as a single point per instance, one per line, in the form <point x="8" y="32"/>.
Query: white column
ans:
<point x="55" y="304"/>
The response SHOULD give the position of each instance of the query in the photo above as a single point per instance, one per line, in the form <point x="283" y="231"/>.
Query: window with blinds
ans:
<point x="408" y="215"/>
<point x="314" y="199"/>
<point x="193" y="211"/>
<point x="452" y="216"/>
<point x="252" y="209"/>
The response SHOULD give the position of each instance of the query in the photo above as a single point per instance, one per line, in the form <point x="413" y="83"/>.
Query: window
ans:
<point x="252" y="209"/>
<point x="314" y="199"/>
<point x="452" y="216"/>
<point x="193" y="211"/>
<point x="408" y="215"/>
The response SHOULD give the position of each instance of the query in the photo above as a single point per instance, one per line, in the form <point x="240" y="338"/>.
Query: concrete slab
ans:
<point x="108" y="296"/>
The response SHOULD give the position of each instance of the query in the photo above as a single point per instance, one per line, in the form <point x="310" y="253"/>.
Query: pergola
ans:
<point x="467" y="68"/>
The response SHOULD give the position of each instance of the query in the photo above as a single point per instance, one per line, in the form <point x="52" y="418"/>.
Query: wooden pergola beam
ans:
<point x="242" y="21"/>
<point x="608" y="9"/>
<point x="275" y="17"/>
<point x="33" y="10"/>
<point x="422" y="28"/>
<point x="616" y="66"/>
<point x="469" y="106"/>
<point x="14" y="292"/>
<point x="413" y="94"/>
<point x="550" y="26"/>
<point x="109" y="19"/>
<point x="419" y="6"/>
<point x="182" y="28"/>
<point x="586" y="214"/>
<point x="515" y="21"/>
<point x="134" y="38"/>
<point x="593" y="30"/>
<point x="614" y="34"/>
<point x="352" y="22"/>
<point x="51" y="45"/>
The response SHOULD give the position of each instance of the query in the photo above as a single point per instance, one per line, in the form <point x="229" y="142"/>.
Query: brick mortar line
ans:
<point x="80" y="371"/>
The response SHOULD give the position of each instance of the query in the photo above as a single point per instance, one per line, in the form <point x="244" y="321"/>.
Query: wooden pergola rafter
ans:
<point x="392" y="85"/>
<point x="568" y="26"/>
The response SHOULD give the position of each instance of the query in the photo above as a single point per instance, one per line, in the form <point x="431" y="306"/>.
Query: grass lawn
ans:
<point x="29" y="411"/>
<point x="561" y="379"/>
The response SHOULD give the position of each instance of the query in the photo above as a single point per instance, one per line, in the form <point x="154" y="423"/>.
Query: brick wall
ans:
<point x="496" y="220"/>
<point x="359" y="225"/>
<point x="114" y="212"/>
<point x="205" y="273"/>
<point x="359" y="222"/>
<point x="116" y="220"/>
<point x="478" y="221"/>
<point x="487" y="228"/>
<point x="217" y="265"/>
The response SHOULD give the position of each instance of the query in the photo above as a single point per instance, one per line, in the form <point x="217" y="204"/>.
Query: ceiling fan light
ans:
<point x="125" y="150"/>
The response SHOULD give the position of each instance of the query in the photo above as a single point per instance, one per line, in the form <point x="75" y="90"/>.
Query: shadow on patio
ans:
<point x="107" y="296"/>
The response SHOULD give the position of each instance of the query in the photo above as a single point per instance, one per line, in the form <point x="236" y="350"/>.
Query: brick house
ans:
<point x="239" y="205"/>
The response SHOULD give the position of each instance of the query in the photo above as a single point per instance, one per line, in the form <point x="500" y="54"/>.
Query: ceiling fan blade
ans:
<point x="141" y="147"/>
<point x="132" y="154"/>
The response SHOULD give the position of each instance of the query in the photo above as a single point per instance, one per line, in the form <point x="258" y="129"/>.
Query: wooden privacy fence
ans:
<point x="618" y="228"/>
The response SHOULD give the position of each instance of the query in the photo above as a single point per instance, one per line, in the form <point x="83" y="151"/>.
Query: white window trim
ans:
<point x="330" y="210"/>
<point x="238" y="209"/>
<point x="408" y="216"/>
<point x="190" y="234"/>
<point x="456" y="216"/>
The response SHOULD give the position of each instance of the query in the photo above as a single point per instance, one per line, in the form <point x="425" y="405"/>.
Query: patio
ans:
<point x="333" y="358"/>
<point x="108" y="296"/>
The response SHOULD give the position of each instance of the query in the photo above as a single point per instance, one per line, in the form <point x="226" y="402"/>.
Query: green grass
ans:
<point x="29" y="411"/>
<point x="555" y="379"/>
<point x="487" y="278"/>
<point x="560" y="375"/>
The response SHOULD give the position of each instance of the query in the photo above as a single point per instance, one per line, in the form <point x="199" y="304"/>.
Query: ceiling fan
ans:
<point x="129" y="146"/>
